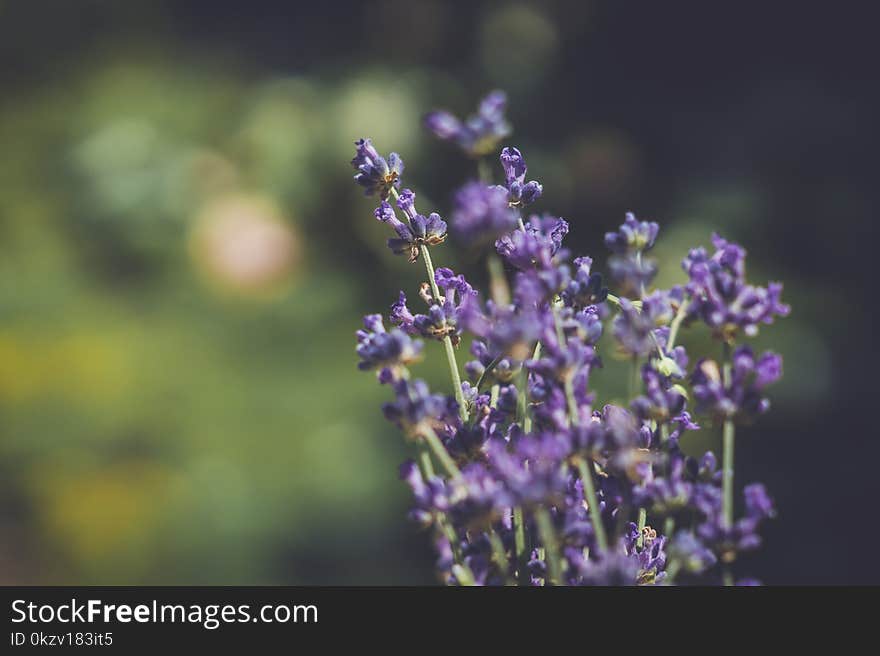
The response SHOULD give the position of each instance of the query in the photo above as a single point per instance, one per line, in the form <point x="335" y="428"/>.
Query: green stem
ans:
<point x="499" y="290"/>
<point x="449" y="532"/>
<point x="519" y="543"/>
<point x="643" y="519"/>
<point x="584" y="467"/>
<point x="522" y="402"/>
<point x="615" y="300"/>
<point x="571" y="402"/>
<point x="519" y="524"/>
<point x="634" y="378"/>
<point x="488" y="370"/>
<point x="657" y="345"/>
<point x="493" y="395"/>
<point x="426" y="465"/>
<point x="447" y="341"/>
<point x="727" y="476"/>
<point x="639" y="267"/>
<point x="675" y="325"/>
<point x="727" y="439"/>
<point x="518" y="213"/>
<point x="464" y="575"/>
<point x="524" y="397"/>
<point x="440" y="452"/>
<point x="500" y="556"/>
<point x="664" y="433"/>
<point x="463" y="572"/>
<point x="429" y="268"/>
<point x="727" y="446"/>
<point x="551" y="545"/>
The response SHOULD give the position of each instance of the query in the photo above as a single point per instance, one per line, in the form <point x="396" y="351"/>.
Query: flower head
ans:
<point x="632" y="236"/>
<point x="536" y="245"/>
<point x="431" y="496"/>
<point x="661" y="400"/>
<point x="722" y="298"/>
<point x="389" y="351"/>
<point x="480" y="133"/>
<point x="374" y="173"/>
<point x="585" y="288"/>
<point x="481" y="213"/>
<point x="628" y="267"/>
<point x="532" y="471"/>
<point x="742" y="395"/>
<point x="417" y="232"/>
<point x="443" y="316"/>
<point x="415" y="408"/>
<point x="728" y="540"/>
<point x="635" y="327"/>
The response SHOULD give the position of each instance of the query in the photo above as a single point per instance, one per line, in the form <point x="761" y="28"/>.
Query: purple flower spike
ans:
<point x="443" y="317"/>
<point x="722" y="298"/>
<point x="636" y="328"/>
<point x="628" y="268"/>
<point x="741" y="396"/>
<point x="417" y="232"/>
<point x="374" y="173"/>
<point x="480" y="133"/>
<point x="633" y="235"/>
<point x="535" y="247"/>
<point x="481" y="214"/>
<point x="390" y="352"/>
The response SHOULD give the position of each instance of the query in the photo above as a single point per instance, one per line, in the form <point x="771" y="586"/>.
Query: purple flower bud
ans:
<point x="519" y="192"/>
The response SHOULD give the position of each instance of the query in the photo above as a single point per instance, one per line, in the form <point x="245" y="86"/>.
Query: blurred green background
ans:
<point x="184" y="260"/>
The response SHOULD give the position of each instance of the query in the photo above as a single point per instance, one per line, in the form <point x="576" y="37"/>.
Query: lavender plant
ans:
<point x="524" y="476"/>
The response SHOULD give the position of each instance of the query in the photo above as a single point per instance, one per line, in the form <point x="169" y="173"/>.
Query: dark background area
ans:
<point x="757" y="120"/>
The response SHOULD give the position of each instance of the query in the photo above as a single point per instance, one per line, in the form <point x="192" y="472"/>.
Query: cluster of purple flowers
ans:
<point x="527" y="475"/>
